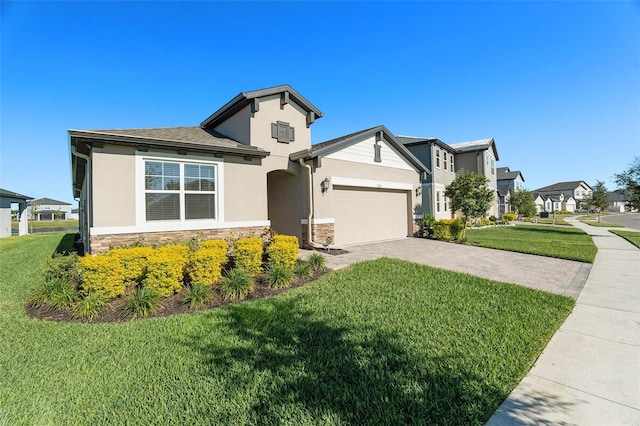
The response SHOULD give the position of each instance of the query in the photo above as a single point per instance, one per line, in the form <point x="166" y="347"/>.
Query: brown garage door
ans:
<point x="366" y="214"/>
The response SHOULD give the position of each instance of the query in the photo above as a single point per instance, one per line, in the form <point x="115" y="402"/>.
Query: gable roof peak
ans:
<point x="245" y="98"/>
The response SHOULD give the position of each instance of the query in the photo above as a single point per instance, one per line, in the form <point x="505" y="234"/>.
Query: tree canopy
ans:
<point x="522" y="203"/>
<point x="469" y="194"/>
<point x="629" y="182"/>
<point x="598" y="198"/>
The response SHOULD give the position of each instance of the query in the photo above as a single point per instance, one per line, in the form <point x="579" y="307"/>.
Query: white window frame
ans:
<point x="451" y="163"/>
<point x="444" y="159"/>
<point x="438" y="201"/>
<point x="438" y="158"/>
<point x="182" y="223"/>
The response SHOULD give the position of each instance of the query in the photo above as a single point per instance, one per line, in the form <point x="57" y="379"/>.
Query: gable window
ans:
<point x="444" y="158"/>
<point x="283" y="132"/>
<point x="451" y="162"/>
<point x="179" y="191"/>
<point x="493" y="166"/>
<point x="437" y="158"/>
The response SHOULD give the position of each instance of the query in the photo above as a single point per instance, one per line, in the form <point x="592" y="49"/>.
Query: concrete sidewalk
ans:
<point x="589" y="373"/>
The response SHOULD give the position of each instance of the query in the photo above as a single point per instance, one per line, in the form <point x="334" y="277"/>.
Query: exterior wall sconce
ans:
<point x="324" y="185"/>
<point x="418" y="191"/>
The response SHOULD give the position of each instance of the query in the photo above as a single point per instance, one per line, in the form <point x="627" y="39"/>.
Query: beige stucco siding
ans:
<point x="245" y="190"/>
<point x="270" y="112"/>
<point x="237" y="126"/>
<point x="113" y="181"/>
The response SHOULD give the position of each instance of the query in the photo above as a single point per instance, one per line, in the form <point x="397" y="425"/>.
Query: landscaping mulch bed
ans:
<point x="114" y="311"/>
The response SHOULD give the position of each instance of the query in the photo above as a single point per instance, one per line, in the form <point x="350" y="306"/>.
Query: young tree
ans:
<point x="522" y="203"/>
<point x="629" y="182"/>
<point x="469" y="194"/>
<point x="598" y="198"/>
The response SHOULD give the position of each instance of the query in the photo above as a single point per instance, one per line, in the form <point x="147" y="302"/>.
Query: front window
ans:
<point x="437" y="201"/>
<point x="493" y="166"/>
<point x="437" y="158"/>
<point x="445" y="160"/>
<point x="451" y="162"/>
<point x="179" y="191"/>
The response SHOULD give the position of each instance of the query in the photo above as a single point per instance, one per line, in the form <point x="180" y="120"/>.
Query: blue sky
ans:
<point x="557" y="84"/>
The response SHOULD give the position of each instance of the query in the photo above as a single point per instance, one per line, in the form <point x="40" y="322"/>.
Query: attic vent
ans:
<point x="283" y="132"/>
<point x="376" y="154"/>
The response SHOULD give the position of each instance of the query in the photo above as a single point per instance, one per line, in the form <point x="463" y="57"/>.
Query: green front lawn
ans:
<point x="564" y="243"/>
<point x="48" y="224"/>
<point x="594" y="222"/>
<point x="632" y="237"/>
<point x="381" y="342"/>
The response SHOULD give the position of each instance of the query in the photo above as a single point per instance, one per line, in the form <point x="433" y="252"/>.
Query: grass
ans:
<point x="48" y="224"/>
<point x="632" y="237"/>
<point x="550" y="221"/>
<point x="594" y="222"/>
<point x="380" y="342"/>
<point x="563" y="243"/>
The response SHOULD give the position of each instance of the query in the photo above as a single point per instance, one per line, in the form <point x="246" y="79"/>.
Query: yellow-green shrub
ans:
<point x="508" y="217"/>
<point x="133" y="260"/>
<point x="102" y="274"/>
<point x="442" y="230"/>
<point x="165" y="269"/>
<point x="283" y="251"/>
<point x="248" y="255"/>
<point x="215" y="244"/>
<point x="205" y="264"/>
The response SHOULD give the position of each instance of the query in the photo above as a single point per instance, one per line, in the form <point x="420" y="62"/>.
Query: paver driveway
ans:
<point x="566" y="277"/>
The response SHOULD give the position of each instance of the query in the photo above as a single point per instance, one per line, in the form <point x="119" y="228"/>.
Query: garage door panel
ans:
<point x="366" y="214"/>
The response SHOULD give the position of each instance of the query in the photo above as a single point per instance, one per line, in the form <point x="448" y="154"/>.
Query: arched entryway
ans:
<point x="286" y="202"/>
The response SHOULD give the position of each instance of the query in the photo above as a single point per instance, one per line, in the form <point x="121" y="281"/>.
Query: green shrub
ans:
<point x="317" y="261"/>
<point x="248" y="255"/>
<point x="205" y="264"/>
<point x="493" y="219"/>
<point x="303" y="269"/>
<point x="428" y="220"/>
<point x="215" y="244"/>
<point x="528" y="219"/>
<point x="55" y="292"/>
<point x="63" y="267"/>
<point x="134" y="261"/>
<point x="144" y="301"/>
<point x="486" y="222"/>
<point x="456" y="229"/>
<point x="165" y="269"/>
<point x="90" y="306"/>
<point x="196" y="295"/>
<point x="278" y="276"/>
<point x="442" y="230"/>
<point x="508" y="217"/>
<point x="236" y="285"/>
<point x="101" y="274"/>
<point x="283" y="251"/>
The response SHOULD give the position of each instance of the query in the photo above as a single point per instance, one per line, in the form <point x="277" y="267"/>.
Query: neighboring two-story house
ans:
<point x="508" y="182"/>
<point x="48" y="209"/>
<point x="440" y="159"/>
<point x="479" y="157"/>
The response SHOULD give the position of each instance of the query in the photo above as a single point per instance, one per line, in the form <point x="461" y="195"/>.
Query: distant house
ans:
<point x="554" y="202"/>
<point x="578" y="189"/>
<point x="48" y="209"/>
<point x="617" y="201"/>
<point x="508" y="181"/>
<point x="7" y="198"/>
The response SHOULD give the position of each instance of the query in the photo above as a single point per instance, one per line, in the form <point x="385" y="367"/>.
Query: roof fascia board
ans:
<point x="95" y="137"/>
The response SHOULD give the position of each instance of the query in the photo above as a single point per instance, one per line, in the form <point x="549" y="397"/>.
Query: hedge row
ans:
<point x="164" y="269"/>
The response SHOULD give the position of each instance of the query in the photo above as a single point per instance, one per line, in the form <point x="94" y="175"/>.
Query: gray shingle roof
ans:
<point x="50" y="201"/>
<point x="414" y="140"/>
<point x="503" y="173"/>
<point x="476" y="145"/>
<point x="189" y="138"/>
<point x="10" y="194"/>
<point x="562" y="186"/>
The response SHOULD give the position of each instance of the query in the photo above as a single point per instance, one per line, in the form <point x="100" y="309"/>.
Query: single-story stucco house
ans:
<point x="7" y="198"/>
<point x="248" y="168"/>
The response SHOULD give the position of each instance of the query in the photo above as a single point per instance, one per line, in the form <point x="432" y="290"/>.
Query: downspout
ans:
<point x="310" y="216"/>
<point x="88" y="202"/>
